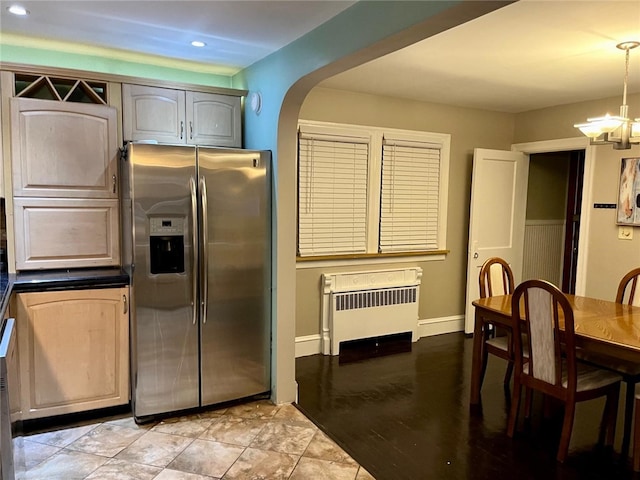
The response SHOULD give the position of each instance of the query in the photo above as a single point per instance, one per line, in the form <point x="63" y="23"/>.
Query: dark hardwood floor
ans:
<point x="402" y="411"/>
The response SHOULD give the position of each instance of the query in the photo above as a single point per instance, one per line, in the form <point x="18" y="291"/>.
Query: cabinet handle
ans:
<point x="181" y="130"/>
<point x="113" y="178"/>
<point x="191" y="130"/>
<point x="126" y="306"/>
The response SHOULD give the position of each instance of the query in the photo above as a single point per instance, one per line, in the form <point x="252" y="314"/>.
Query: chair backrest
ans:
<point x="628" y="289"/>
<point x="545" y="310"/>
<point x="496" y="278"/>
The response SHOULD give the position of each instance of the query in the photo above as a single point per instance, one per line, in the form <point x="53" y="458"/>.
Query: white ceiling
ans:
<point x="527" y="55"/>
<point x="237" y="33"/>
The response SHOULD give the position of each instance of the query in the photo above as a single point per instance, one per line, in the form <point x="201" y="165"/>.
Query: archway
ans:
<point x="365" y="31"/>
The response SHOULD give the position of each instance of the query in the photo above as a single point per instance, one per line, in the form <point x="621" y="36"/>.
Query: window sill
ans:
<point x="370" y="259"/>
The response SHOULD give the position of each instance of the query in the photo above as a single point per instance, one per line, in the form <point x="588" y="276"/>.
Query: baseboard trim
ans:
<point x="308" y="345"/>
<point x="438" y="326"/>
<point x="312" y="344"/>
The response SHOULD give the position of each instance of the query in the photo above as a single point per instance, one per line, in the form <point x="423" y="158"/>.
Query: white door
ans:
<point x="497" y="215"/>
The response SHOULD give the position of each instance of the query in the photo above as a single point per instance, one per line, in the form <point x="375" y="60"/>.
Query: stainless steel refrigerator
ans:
<point x="196" y="244"/>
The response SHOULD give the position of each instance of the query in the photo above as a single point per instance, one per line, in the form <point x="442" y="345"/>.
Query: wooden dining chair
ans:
<point x="628" y="293"/>
<point x="540" y="311"/>
<point x="627" y="288"/>
<point x="496" y="278"/>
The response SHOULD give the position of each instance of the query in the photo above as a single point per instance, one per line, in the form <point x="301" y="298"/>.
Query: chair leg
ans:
<point x="508" y="373"/>
<point x="608" y="427"/>
<point x="636" y="438"/>
<point x="546" y="412"/>
<point x="528" y="401"/>
<point x="628" y="417"/>
<point x="567" y="426"/>
<point x="515" y="406"/>
<point x="483" y="369"/>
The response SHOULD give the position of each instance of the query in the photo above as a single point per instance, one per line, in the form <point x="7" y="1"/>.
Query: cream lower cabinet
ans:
<point x="73" y="349"/>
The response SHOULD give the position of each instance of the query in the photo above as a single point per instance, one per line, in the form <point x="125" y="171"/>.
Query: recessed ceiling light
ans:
<point x="197" y="43"/>
<point x="18" y="10"/>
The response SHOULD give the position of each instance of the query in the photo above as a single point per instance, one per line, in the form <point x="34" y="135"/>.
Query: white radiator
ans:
<point x="543" y="250"/>
<point x="360" y="305"/>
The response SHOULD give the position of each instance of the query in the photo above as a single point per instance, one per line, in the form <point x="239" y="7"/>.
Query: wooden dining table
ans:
<point x="600" y="325"/>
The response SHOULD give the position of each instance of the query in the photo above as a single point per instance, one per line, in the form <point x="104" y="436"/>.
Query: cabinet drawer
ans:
<point x="63" y="149"/>
<point x="66" y="233"/>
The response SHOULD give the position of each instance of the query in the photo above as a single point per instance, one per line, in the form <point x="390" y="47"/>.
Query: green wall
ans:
<point x="93" y="63"/>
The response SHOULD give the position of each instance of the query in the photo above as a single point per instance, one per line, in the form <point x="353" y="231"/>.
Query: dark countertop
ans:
<point x="41" y="281"/>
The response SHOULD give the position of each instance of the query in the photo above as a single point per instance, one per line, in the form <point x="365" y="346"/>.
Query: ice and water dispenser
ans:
<point x="166" y="242"/>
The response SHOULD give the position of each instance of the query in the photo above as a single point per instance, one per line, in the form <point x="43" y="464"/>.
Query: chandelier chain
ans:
<point x="626" y="46"/>
<point x="626" y="77"/>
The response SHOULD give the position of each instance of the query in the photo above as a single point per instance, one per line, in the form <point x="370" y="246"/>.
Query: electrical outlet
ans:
<point x="625" y="233"/>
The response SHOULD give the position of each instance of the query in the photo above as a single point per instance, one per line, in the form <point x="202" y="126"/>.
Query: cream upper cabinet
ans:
<point x="174" y="116"/>
<point x="73" y="350"/>
<point x="63" y="149"/>
<point x="151" y="113"/>
<point x="65" y="185"/>
<point x="66" y="232"/>
<point x="213" y="119"/>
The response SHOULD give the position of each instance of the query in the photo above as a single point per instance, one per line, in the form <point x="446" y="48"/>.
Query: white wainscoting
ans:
<point x="543" y="250"/>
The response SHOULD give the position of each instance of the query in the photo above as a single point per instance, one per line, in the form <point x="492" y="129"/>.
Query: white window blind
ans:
<point x="410" y="196"/>
<point x="332" y="195"/>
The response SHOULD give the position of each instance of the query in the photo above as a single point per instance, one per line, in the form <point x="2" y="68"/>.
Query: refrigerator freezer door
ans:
<point x="164" y="327"/>
<point x="235" y="267"/>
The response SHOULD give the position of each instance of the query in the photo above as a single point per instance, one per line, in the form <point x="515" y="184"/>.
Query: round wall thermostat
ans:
<point x="255" y="101"/>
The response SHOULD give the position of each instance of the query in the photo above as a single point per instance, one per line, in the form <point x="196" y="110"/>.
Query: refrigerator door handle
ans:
<point x="194" y="247"/>
<point x="205" y="249"/>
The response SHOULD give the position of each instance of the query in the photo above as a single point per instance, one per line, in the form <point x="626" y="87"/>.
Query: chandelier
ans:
<point x="618" y="131"/>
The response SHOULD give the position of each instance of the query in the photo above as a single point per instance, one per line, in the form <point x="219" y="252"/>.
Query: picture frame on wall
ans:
<point x="628" y="211"/>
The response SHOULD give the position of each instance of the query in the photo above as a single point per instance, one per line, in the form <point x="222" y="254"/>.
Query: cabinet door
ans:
<point x="66" y="233"/>
<point x="151" y="113"/>
<point x="73" y="349"/>
<point x="214" y="119"/>
<point x="63" y="149"/>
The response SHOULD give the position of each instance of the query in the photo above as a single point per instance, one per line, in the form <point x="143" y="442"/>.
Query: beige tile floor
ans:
<point x="257" y="440"/>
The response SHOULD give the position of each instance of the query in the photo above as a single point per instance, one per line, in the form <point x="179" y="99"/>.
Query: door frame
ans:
<point x="564" y="144"/>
